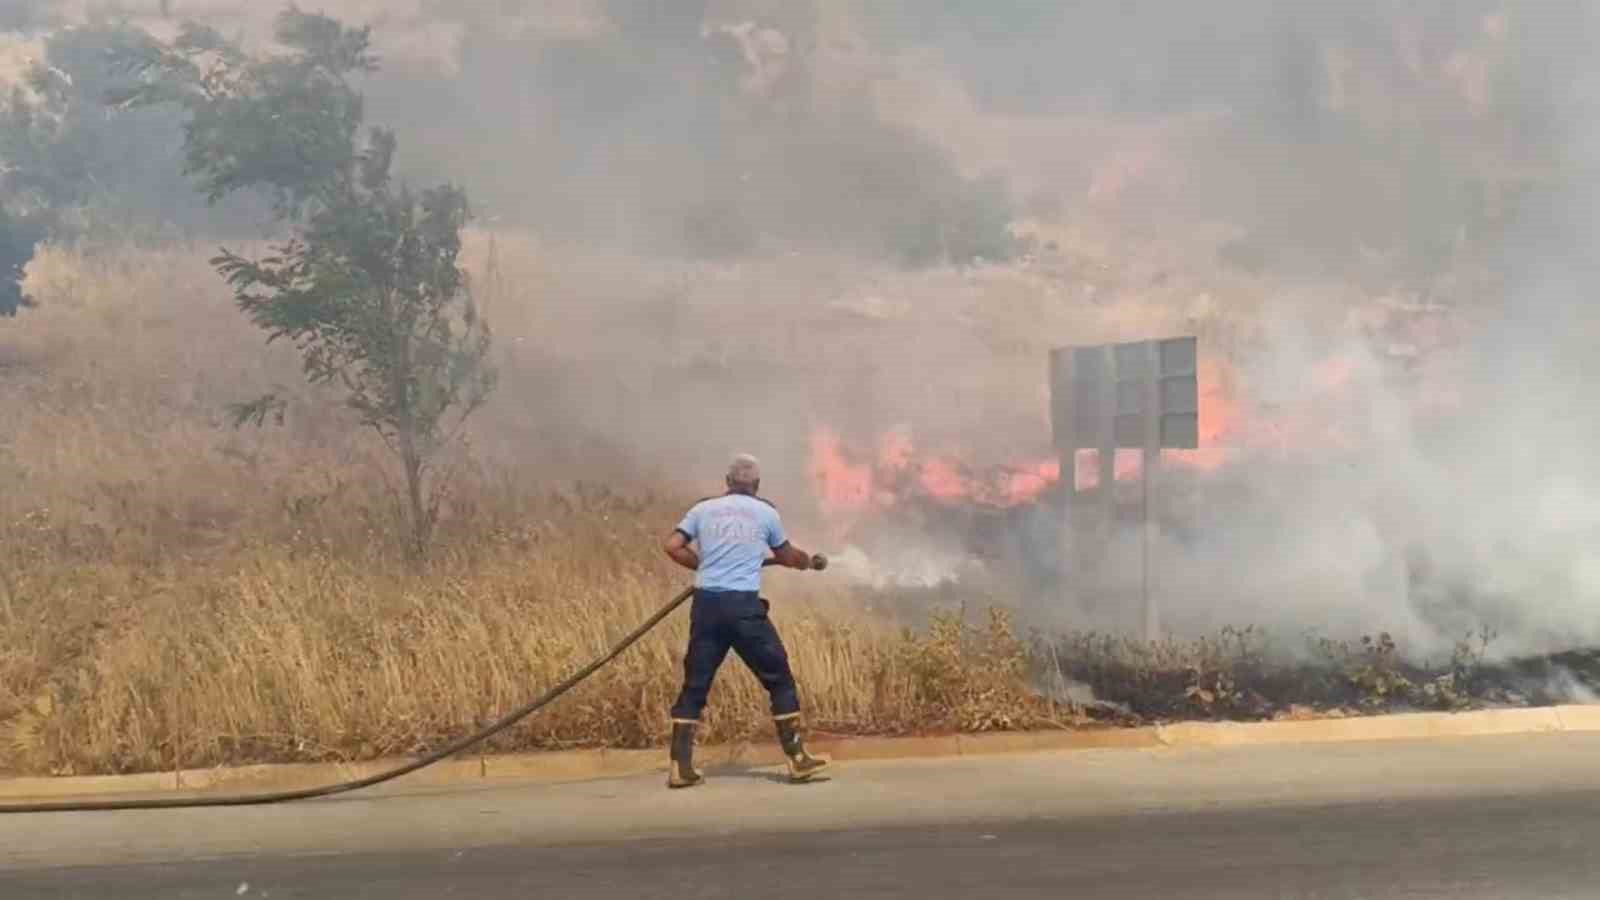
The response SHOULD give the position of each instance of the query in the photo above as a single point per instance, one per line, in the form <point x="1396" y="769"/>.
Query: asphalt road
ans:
<point x="1473" y="818"/>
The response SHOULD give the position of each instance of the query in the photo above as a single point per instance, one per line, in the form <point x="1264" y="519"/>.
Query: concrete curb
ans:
<point x="580" y="765"/>
<point x="1415" y="726"/>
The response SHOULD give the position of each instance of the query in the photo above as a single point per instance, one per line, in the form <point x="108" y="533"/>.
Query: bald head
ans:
<point x="744" y="474"/>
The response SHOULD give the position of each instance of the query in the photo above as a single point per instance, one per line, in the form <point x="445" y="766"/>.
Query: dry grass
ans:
<point x="1241" y="674"/>
<point x="304" y="656"/>
<point x="173" y="591"/>
<point x="176" y="592"/>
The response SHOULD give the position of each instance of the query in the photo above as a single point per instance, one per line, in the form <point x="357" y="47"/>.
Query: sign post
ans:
<point x="1142" y="395"/>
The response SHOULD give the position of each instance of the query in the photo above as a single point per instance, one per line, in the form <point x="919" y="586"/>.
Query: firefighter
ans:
<point x="737" y="534"/>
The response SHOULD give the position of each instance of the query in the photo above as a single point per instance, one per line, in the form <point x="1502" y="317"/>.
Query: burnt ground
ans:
<point x="1226" y="678"/>
<point x="1567" y="677"/>
<point x="1233" y="675"/>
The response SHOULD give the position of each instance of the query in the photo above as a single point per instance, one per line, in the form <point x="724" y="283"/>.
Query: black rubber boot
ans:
<point x="681" y="772"/>
<point x="802" y="765"/>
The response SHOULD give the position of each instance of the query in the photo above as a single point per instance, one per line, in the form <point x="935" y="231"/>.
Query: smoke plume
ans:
<point x="738" y="224"/>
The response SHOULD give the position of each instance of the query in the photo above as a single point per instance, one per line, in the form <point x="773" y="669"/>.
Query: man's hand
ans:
<point x="677" y="547"/>
<point x="818" y="562"/>
<point x="791" y="557"/>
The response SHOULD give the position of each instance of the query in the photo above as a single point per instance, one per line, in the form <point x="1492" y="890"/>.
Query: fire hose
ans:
<point x="448" y="750"/>
<point x="818" y="561"/>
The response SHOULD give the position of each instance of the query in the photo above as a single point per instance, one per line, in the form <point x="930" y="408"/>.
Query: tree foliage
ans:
<point x="98" y="172"/>
<point x="368" y="287"/>
<point x="287" y="124"/>
<point x="73" y="170"/>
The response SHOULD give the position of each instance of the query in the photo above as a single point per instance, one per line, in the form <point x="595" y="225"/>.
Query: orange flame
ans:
<point x="842" y="486"/>
<point x="849" y="484"/>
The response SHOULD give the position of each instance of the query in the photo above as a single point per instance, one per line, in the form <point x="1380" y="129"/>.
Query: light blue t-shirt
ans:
<point x="734" y="532"/>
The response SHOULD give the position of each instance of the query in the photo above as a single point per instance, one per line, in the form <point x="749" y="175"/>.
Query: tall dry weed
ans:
<point x="177" y="592"/>
<point x="312" y="657"/>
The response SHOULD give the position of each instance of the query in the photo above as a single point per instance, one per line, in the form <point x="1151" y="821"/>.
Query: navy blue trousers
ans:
<point x="736" y="620"/>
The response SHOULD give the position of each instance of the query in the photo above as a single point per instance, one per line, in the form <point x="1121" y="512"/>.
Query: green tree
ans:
<point x="101" y="173"/>
<point x="368" y="287"/>
<point x="71" y="170"/>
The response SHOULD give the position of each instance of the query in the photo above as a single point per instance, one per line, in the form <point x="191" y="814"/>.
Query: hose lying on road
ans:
<point x="451" y="749"/>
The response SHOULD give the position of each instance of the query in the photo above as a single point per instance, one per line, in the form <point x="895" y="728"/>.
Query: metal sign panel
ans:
<point x="1140" y="394"/>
